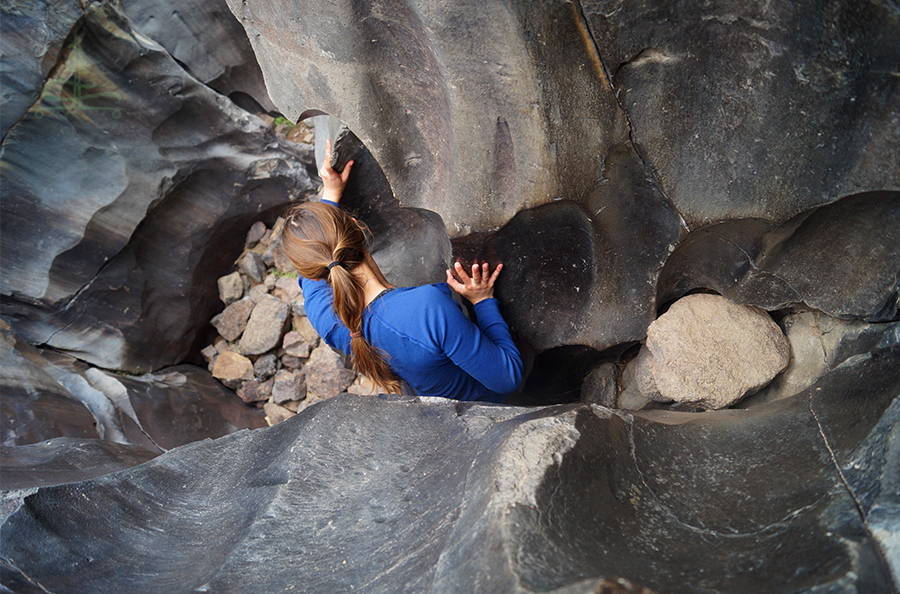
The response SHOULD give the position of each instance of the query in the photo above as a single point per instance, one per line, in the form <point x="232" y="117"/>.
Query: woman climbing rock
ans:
<point x="413" y="339"/>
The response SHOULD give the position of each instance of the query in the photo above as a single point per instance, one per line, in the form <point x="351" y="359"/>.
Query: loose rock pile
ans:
<point x="267" y="350"/>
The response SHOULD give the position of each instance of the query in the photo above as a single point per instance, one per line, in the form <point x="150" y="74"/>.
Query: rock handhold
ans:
<point x="266" y="326"/>
<point x="712" y="352"/>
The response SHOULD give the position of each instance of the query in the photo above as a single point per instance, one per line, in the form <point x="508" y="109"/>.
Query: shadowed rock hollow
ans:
<point x="615" y="156"/>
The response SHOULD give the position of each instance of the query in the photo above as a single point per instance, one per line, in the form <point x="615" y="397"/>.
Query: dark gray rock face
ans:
<point x="615" y="156"/>
<point x="47" y="395"/>
<point x="757" y="109"/>
<point x="120" y="208"/>
<point x="189" y="30"/>
<point x="410" y="245"/>
<point x="31" y="39"/>
<point x="589" y="270"/>
<point x="842" y="259"/>
<point x="553" y="499"/>
<point x="472" y="114"/>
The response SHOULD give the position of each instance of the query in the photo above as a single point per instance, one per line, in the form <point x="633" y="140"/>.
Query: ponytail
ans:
<point x="322" y="241"/>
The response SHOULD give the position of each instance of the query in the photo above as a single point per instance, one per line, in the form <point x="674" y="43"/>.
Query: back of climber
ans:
<point x="417" y="335"/>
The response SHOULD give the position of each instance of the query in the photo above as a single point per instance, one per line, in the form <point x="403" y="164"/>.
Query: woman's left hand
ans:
<point x="475" y="288"/>
<point x="333" y="181"/>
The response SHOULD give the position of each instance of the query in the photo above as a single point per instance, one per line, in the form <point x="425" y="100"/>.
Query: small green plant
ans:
<point x="282" y="274"/>
<point x="282" y="120"/>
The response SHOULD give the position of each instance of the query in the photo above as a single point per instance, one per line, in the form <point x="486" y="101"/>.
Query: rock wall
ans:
<point x="614" y="156"/>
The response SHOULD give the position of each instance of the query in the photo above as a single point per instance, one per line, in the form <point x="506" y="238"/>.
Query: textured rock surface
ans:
<point x="757" y="109"/>
<point x="266" y="327"/>
<point x="842" y="258"/>
<point x="473" y="114"/>
<point x="326" y="374"/>
<point x="708" y="350"/>
<point x="190" y="31"/>
<point x="590" y="270"/>
<point x="440" y="496"/>
<point x="125" y="280"/>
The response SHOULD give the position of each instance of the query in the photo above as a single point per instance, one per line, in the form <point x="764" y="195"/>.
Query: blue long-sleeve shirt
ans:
<point x="429" y="341"/>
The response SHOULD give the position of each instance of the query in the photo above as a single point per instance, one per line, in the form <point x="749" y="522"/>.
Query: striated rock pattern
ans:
<point x="120" y="207"/>
<point x="409" y="495"/>
<point x="615" y="156"/>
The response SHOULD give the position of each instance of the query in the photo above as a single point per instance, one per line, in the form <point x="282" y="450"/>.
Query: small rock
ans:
<point x="270" y="281"/>
<point x="231" y="288"/>
<point x="253" y="266"/>
<point x="266" y="238"/>
<point x="231" y="369"/>
<point x="265" y="367"/>
<point x="710" y="351"/>
<point x="599" y="385"/>
<point x="287" y="289"/>
<point x="291" y="362"/>
<point x="209" y="353"/>
<point x="256" y="232"/>
<point x="296" y="345"/>
<point x="255" y="390"/>
<point x="266" y="326"/>
<point x="231" y="322"/>
<point x="276" y="413"/>
<point x="288" y="386"/>
<point x="281" y="261"/>
<point x="223" y="345"/>
<point x="630" y="398"/>
<point x="257" y="293"/>
<point x="363" y="386"/>
<point x="304" y="328"/>
<point x="274" y="243"/>
<point x="326" y="375"/>
<point x="298" y="307"/>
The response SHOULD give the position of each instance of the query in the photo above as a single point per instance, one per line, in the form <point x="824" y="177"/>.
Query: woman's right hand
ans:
<point x="475" y="288"/>
<point x="333" y="181"/>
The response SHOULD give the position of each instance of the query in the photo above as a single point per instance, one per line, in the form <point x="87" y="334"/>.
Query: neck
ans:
<point x="372" y="279"/>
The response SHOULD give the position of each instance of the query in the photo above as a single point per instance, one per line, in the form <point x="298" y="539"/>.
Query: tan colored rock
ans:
<point x="296" y="345"/>
<point x="304" y="328"/>
<point x="288" y="386"/>
<point x="287" y="288"/>
<point x="275" y="413"/>
<point x="363" y="386"/>
<point x="712" y="352"/>
<point x="231" y="366"/>
<point x="231" y="288"/>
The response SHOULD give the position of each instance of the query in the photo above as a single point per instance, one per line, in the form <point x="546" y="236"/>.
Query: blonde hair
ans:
<point x="325" y="242"/>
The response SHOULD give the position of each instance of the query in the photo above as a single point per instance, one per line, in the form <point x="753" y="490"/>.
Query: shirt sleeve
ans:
<point x="486" y="351"/>
<point x="318" y="301"/>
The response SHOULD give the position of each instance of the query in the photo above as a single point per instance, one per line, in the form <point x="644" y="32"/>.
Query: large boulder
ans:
<point x="710" y="351"/>
<point x="842" y="259"/>
<point x="411" y="495"/>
